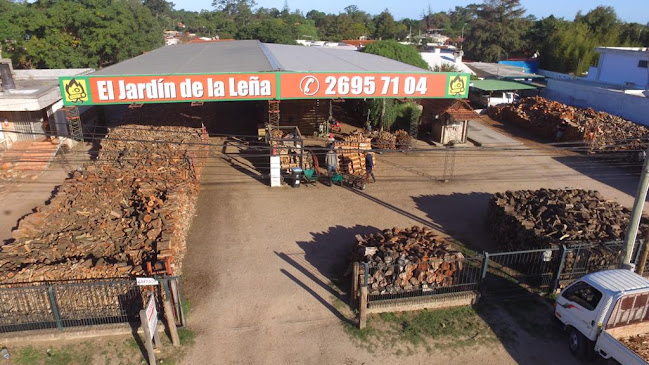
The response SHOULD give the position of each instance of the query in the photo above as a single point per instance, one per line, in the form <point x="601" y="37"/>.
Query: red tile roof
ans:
<point x="357" y="43"/>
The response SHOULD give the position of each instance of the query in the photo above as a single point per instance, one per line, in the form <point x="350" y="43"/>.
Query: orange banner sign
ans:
<point x="161" y="89"/>
<point x="364" y="85"/>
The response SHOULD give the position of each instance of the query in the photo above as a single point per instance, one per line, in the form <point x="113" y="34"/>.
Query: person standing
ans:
<point x="369" y="165"/>
<point x="331" y="160"/>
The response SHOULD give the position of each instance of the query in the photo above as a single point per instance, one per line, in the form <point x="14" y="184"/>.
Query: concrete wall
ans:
<point x="633" y="108"/>
<point x="622" y="68"/>
<point x="555" y="75"/>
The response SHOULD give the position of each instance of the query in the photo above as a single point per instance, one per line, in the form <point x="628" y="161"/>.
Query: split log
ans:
<point x="402" y="260"/>
<point x="112" y="217"/>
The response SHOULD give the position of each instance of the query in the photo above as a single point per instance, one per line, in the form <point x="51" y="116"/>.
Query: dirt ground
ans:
<point x="262" y="264"/>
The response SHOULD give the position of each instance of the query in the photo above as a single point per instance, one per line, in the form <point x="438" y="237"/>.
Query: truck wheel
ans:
<point x="577" y="344"/>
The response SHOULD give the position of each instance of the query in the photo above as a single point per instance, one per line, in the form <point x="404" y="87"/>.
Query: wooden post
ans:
<point x="362" y="315"/>
<point x="147" y="338"/>
<point x="171" y="323"/>
<point x="354" y="296"/>
<point x="642" y="260"/>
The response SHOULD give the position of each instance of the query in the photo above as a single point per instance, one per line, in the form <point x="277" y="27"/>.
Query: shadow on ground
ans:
<point x="615" y="172"/>
<point x="462" y="216"/>
<point x="326" y="262"/>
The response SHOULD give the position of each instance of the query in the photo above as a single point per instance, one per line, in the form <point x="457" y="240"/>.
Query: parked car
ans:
<point x="600" y="309"/>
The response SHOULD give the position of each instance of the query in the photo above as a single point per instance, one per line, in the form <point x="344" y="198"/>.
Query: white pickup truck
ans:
<point x="600" y="309"/>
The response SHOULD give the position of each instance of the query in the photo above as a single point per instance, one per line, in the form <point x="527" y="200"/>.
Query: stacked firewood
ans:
<point x="385" y="141"/>
<point x="638" y="344"/>
<point x="527" y="219"/>
<point x="289" y="151"/>
<point x="560" y="122"/>
<point x="352" y="152"/>
<point x="125" y="214"/>
<point x="401" y="260"/>
<point x="403" y="139"/>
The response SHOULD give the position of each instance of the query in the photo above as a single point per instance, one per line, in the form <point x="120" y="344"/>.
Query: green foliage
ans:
<point x="397" y="51"/>
<point x="92" y="33"/>
<point x="497" y="31"/>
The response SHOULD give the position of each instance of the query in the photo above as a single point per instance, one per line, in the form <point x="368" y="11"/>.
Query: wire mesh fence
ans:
<point x="34" y="306"/>
<point x="403" y="281"/>
<point x="499" y="275"/>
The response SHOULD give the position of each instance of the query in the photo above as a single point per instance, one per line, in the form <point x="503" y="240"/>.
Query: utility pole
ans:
<point x="636" y="214"/>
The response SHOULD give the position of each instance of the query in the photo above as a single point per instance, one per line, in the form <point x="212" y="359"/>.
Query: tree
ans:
<point x="386" y="27"/>
<point x="497" y="31"/>
<point x="158" y="7"/>
<point x="396" y="51"/>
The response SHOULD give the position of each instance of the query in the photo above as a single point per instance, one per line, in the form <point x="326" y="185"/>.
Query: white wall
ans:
<point x="622" y="68"/>
<point x="631" y="107"/>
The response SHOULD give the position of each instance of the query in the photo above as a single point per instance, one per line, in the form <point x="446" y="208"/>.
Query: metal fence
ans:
<point x="496" y="275"/>
<point x="402" y="281"/>
<point x="34" y="306"/>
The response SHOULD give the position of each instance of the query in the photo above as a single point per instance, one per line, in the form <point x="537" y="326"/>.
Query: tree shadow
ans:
<point x="461" y="216"/>
<point x="613" y="170"/>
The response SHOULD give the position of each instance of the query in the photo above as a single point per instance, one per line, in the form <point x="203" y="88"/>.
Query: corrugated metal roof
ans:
<point x="320" y="59"/>
<point x="485" y="69"/>
<point x="234" y="56"/>
<point x="500" y="85"/>
<point x="251" y="56"/>
<point x="617" y="281"/>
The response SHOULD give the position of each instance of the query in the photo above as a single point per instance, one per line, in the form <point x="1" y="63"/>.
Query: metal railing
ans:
<point x="33" y="306"/>
<point x="495" y="275"/>
<point x="465" y="276"/>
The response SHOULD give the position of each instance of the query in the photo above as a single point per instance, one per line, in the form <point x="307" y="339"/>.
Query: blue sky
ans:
<point x="627" y="10"/>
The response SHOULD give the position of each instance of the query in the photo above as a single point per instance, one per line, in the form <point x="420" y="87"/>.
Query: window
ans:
<point x="584" y="295"/>
<point x="643" y="63"/>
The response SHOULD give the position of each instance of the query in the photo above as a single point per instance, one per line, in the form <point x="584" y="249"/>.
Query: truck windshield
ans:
<point x="584" y="295"/>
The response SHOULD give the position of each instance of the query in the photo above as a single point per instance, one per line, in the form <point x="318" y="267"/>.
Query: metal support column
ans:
<point x="74" y="122"/>
<point x="273" y="112"/>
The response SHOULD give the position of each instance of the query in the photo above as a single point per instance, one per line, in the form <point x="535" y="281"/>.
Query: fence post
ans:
<point x="367" y="274"/>
<point x="355" y="276"/>
<point x="557" y="273"/>
<point x="485" y="265"/>
<point x="362" y="315"/>
<point x="55" y="307"/>
<point x="641" y="261"/>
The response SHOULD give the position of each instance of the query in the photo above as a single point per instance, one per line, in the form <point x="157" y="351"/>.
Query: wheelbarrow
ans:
<point x="356" y="181"/>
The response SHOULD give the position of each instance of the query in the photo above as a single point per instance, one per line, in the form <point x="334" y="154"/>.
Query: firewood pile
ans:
<point x="402" y="260"/>
<point x="402" y="138"/>
<point x="602" y="131"/>
<point x="126" y="214"/>
<point x="527" y="219"/>
<point x="385" y="141"/>
<point x="287" y="148"/>
<point x="638" y="344"/>
<point x="351" y="153"/>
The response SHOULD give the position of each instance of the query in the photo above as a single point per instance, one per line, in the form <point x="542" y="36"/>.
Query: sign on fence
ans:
<point x="146" y="281"/>
<point x="151" y="316"/>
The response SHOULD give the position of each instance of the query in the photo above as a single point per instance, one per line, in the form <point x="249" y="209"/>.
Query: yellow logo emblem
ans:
<point x="75" y="90"/>
<point x="458" y="85"/>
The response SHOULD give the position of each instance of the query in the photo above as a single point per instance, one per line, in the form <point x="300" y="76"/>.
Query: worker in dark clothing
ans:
<point x="369" y="165"/>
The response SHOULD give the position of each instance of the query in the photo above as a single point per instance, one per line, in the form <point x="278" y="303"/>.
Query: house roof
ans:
<point x="250" y="56"/>
<point x="500" y="71"/>
<point x="500" y="85"/>
<point x="458" y="109"/>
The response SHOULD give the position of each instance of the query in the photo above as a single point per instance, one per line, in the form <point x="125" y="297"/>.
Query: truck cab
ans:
<point x="601" y="308"/>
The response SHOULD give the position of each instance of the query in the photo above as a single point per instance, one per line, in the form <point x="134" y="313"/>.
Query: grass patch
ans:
<point x="186" y="336"/>
<point x="28" y="355"/>
<point x="404" y="333"/>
